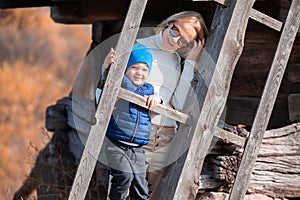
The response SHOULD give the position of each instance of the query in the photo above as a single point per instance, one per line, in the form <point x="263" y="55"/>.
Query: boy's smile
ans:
<point x="138" y="73"/>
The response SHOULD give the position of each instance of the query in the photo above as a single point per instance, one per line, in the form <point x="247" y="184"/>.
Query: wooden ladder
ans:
<point x="211" y="86"/>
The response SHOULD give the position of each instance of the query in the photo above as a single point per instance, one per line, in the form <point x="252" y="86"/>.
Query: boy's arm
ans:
<point x="183" y="88"/>
<point x="110" y="59"/>
<point x="152" y="98"/>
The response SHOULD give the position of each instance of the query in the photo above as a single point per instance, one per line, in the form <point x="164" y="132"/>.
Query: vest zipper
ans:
<point x="137" y="120"/>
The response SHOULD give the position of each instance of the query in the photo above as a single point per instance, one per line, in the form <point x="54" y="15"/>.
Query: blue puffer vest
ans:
<point x="130" y="122"/>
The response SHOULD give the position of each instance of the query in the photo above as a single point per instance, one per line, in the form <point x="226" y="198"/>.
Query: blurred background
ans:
<point x="39" y="60"/>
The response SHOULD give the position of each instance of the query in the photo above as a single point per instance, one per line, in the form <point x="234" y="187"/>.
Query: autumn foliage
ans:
<point x="38" y="64"/>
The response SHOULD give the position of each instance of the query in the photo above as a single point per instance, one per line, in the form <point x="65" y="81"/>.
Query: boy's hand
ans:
<point x="152" y="101"/>
<point x="110" y="59"/>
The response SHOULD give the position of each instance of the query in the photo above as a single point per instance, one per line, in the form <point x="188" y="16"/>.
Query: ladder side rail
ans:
<point x="110" y="92"/>
<point x="219" y="59"/>
<point x="216" y="97"/>
<point x="267" y="101"/>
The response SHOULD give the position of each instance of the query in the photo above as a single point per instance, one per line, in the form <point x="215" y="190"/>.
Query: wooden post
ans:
<point x="218" y="60"/>
<point x="267" y="101"/>
<point x="109" y="96"/>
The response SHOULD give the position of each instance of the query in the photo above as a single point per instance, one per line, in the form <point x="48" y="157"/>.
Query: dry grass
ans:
<point x="38" y="63"/>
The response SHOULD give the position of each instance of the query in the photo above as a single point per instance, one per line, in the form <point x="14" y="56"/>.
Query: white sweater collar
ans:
<point x="155" y="42"/>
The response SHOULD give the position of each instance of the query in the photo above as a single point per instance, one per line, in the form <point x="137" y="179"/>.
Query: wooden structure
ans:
<point x="251" y="70"/>
<point x="228" y="26"/>
<point x="223" y="50"/>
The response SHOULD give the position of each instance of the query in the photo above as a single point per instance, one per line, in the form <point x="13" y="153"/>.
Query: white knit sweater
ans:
<point x="166" y="77"/>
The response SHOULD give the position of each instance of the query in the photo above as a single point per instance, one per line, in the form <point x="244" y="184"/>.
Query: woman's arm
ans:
<point x="183" y="88"/>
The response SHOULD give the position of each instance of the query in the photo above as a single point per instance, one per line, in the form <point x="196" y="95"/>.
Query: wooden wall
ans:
<point x="250" y="76"/>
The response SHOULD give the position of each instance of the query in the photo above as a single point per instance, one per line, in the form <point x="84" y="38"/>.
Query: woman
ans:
<point x="184" y="32"/>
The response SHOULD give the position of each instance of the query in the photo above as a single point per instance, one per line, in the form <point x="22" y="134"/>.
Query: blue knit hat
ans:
<point x="140" y="53"/>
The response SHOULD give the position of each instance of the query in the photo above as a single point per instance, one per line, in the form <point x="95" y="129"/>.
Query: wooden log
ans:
<point x="276" y="170"/>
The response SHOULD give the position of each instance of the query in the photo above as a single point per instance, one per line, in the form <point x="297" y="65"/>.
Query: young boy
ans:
<point x="129" y="128"/>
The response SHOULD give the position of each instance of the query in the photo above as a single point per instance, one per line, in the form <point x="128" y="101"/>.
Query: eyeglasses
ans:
<point x="174" y="32"/>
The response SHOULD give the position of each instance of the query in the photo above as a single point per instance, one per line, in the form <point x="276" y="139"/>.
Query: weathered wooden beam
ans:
<point x="265" y="19"/>
<point x="216" y="96"/>
<point x="276" y="170"/>
<point x="107" y="101"/>
<point x="160" y="109"/>
<point x="219" y="58"/>
<point x="267" y="102"/>
<point x="229" y="136"/>
<point x="218" y="1"/>
<point x="179" y="116"/>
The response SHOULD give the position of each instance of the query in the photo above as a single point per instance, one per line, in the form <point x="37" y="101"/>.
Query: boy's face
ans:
<point x="138" y="73"/>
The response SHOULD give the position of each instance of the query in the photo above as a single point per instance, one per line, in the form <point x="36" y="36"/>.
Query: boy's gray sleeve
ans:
<point x="104" y="73"/>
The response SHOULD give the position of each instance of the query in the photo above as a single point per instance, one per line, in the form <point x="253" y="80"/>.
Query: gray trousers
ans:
<point x="128" y="171"/>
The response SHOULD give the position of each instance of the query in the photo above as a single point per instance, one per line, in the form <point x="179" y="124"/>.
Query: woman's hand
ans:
<point x="110" y="59"/>
<point x="195" y="51"/>
<point x="152" y="101"/>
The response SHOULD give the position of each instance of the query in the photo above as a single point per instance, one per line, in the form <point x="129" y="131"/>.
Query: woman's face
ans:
<point x="178" y="34"/>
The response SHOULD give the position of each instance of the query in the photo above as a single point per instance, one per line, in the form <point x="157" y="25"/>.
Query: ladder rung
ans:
<point x="160" y="109"/>
<point x="265" y="19"/>
<point x="229" y="136"/>
<point x="218" y="1"/>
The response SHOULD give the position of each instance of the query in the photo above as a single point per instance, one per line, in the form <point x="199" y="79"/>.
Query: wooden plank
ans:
<point x="265" y="19"/>
<point x="107" y="101"/>
<point x="222" y="2"/>
<point x="219" y="58"/>
<point x="160" y="109"/>
<point x="229" y="136"/>
<point x="180" y="117"/>
<point x="267" y="102"/>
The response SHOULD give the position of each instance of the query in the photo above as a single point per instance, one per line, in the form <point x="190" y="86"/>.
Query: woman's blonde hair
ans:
<point x="192" y="17"/>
